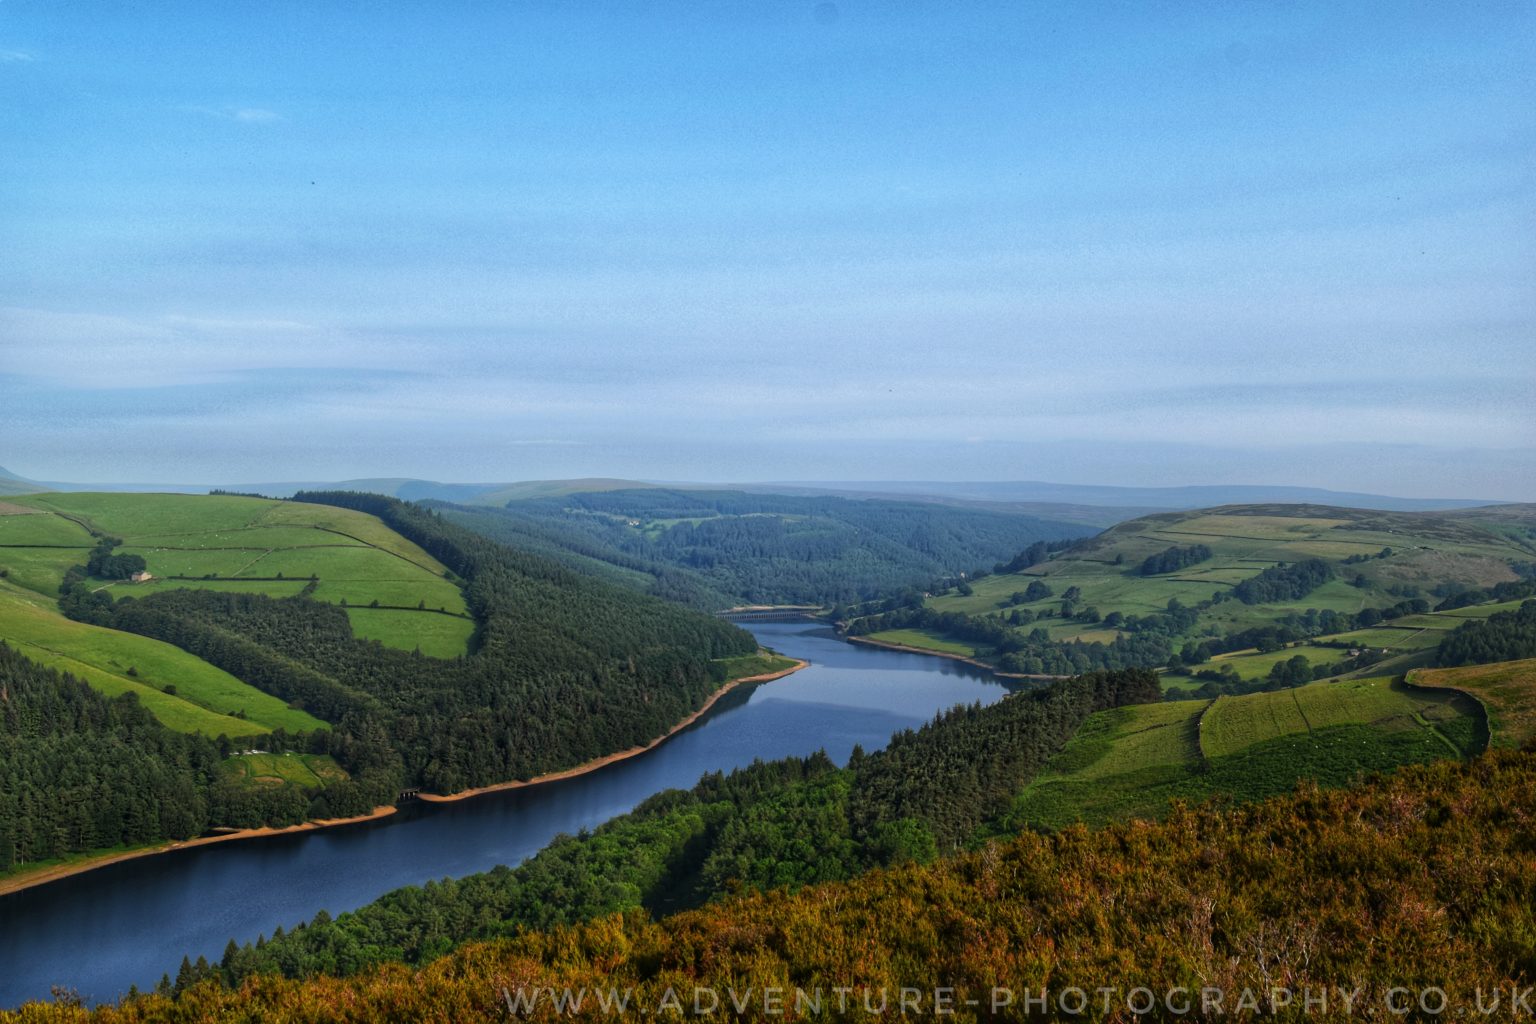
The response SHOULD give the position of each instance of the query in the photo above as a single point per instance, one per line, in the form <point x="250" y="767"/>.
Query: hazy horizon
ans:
<point x="887" y="485"/>
<point x="1179" y="244"/>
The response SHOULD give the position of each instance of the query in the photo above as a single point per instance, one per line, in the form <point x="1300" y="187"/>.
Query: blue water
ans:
<point x="128" y="923"/>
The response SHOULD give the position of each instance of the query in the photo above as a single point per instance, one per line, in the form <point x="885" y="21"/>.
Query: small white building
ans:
<point x="141" y="577"/>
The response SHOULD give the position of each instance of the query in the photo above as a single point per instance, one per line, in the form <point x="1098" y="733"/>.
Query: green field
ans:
<point x="38" y="569"/>
<point x="1506" y="691"/>
<point x="1131" y="762"/>
<point x="1129" y="739"/>
<point x="1233" y="724"/>
<point x="248" y="545"/>
<point x="1426" y="549"/>
<point x="205" y="699"/>
<point x="437" y="636"/>
<point x="222" y="542"/>
<point x="925" y="639"/>
<point x="1257" y="666"/>
<point x="313" y="771"/>
<point x="1392" y="639"/>
<point x="762" y="663"/>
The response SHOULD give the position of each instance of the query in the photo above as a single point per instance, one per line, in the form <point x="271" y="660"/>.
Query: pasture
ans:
<point x="1233" y="724"/>
<point x="250" y="545"/>
<point x="312" y="771"/>
<point x="1249" y="666"/>
<point x="220" y="542"/>
<point x="436" y="636"/>
<point x="1506" y="691"/>
<point x="1390" y="549"/>
<point x="1132" y="762"/>
<point x="925" y="639"/>
<point x="201" y="698"/>
<point x="1391" y="638"/>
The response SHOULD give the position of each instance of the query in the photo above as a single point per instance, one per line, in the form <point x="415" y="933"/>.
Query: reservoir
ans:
<point x="128" y="923"/>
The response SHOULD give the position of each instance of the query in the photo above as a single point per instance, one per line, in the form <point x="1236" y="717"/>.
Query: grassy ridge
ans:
<point x="1133" y="761"/>
<point x="246" y="545"/>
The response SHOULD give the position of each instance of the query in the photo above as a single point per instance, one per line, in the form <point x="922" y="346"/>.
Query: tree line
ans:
<point x="787" y="823"/>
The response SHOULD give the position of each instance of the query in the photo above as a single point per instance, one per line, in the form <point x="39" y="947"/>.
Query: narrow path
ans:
<point x="1442" y="737"/>
<point x="1301" y="710"/>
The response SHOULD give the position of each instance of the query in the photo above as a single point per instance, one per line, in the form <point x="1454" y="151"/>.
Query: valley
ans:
<point x="294" y="645"/>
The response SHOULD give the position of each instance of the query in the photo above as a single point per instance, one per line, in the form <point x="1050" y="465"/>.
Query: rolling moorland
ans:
<point x="1099" y="749"/>
<point x="1177" y="590"/>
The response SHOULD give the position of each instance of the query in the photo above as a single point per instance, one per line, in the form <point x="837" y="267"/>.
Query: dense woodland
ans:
<point x="565" y="668"/>
<point x="1505" y="636"/>
<point x="1424" y="879"/>
<point x="791" y="823"/>
<point x="79" y="771"/>
<point x="720" y="548"/>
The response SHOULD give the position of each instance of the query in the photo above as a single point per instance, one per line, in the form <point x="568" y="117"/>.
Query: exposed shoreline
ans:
<point x="44" y="876"/>
<point x="945" y="654"/>
<point x="620" y="755"/>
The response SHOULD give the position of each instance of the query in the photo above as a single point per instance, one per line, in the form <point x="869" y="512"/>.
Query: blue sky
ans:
<point x="1264" y="242"/>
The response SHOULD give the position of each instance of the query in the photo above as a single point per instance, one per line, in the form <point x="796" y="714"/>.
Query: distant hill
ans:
<point x="1100" y="505"/>
<point x="722" y="548"/>
<point x="1143" y="498"/>
<point x="1235" y="574"/>
<point x="10" y="483"/>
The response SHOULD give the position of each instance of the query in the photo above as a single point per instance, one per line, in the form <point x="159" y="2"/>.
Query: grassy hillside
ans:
<point x="214" y="542"/>
<point x="1401" y="644"/>
<point x="1426" y="549"/>
<point x="1133" y="761"/>
<point x="1506" y="690"/>
<point x="1163" y="581"/>
<point x="246" y="545"/>
<point x="565" y="669"/>
<point x="185" y="693"/>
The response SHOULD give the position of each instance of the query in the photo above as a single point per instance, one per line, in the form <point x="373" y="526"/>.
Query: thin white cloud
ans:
<point x="16" y="57"/>
<point x="245" y="115"/>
